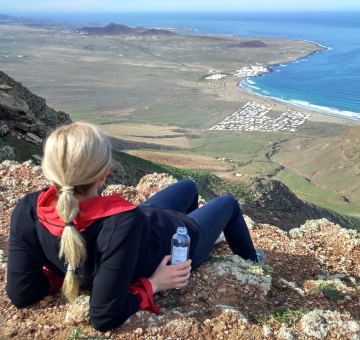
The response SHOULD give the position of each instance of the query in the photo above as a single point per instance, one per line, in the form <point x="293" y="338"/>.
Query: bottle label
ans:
<point x="179" y="255"/>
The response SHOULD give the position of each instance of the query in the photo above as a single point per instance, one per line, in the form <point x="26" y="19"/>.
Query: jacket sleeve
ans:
<point x="26" y="282"/>
<point x="142" y="289"/>
<point x="110" y="303"/>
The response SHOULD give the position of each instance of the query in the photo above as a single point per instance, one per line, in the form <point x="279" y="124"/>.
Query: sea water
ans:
<point x="327" y="82"/>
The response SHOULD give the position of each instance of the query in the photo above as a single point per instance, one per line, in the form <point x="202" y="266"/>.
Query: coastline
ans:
<point x="228" y="89"/>
<point x="300" y="104"/>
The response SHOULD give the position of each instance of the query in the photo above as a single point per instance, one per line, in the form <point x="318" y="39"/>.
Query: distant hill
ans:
<point x="252" y="43"/>
<point x="115" y="29"/>
<point x="332" y="163"/>
<point x="31" y="22"/>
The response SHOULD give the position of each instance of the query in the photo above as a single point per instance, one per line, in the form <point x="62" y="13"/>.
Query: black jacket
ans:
<point x="120" y="249"/>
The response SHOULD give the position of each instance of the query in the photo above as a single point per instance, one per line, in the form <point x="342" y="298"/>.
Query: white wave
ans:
<point x="313" y="42"/>
<point x="265" y="92"/>
<point x="282" y="65"/>
<point x="306" y="105"/>
<point x="250" y="81"/>
<point x="254" y="87"/>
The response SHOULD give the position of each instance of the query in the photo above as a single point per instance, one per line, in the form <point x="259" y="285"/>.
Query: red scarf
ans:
<point x="90" y="211"/>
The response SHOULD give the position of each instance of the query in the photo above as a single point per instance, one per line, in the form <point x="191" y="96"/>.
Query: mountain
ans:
<point x="115" y="29"/>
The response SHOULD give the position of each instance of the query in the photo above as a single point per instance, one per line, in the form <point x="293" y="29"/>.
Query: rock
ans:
<point x="30" y="137"/>
<point x="36" y="170"/>
<point x="267" y="331"/>
<point x="3" y="130"/>
<point x="43" y="303"/>
<point x="7" y="152"/>
<point x="24" y="111"/>
<point x="250" y="223"/>
<point x="296" y="233"/>
<point x="244" y="271"/>
<point x="227" y="309"/>
<point x="287" y="333"/>
<point x="78" y="312"/>
<point x="37" y="158"/>
<point x="314" y="324"/>
<point x="5" y="165"/>
<point x="139" y="331"/>
<point x="353" y="326"/>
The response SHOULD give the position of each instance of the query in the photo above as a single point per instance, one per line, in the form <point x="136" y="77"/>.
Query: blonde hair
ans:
<point x="76" y="156"/>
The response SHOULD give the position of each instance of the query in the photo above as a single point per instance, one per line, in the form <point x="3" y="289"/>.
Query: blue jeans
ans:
<point x="221" y="214"/>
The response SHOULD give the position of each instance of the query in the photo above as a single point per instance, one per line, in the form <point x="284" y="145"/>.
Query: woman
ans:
<point x="68" y="236"/>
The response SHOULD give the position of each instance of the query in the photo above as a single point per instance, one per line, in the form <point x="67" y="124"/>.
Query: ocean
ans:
<point x="327" y="82"/>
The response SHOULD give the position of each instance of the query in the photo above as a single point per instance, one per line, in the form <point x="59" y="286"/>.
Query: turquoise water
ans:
<point x="326" y="82"/>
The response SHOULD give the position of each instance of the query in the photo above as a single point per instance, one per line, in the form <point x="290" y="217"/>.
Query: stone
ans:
<point x="78" y="311"/>
<point x="3" y="130"/>
<point x="5" y="165"/>
<point x="43" y="303"/>
<point x="36" y="170"/>
<point x="287" y="333"/>
<point x="296" y="233"/>
<point x="139" y="331"/>
<point x="267" y="331"/>
<point x="30" y="137"/>
<point x="7" y="152"/>
<point x="314" y="324"/>
<point x="37" y="158"/>
<point x="244" y="271"/>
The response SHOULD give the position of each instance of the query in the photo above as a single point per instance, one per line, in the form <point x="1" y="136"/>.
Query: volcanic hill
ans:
<point x="115" y="29"/>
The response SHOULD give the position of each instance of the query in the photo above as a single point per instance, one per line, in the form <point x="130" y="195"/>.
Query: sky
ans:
<point x="174" y="6"/>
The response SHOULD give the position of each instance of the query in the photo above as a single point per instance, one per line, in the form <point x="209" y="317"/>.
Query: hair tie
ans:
<point x="69" y="224"/>
<point x="70" y="268"/>
<point x="67" y="188"/>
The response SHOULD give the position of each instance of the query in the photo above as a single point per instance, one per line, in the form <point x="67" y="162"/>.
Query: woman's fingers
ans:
<point x="181" y="273"/>
<point x="182" y="266"/>
<point x="165" y="260"/>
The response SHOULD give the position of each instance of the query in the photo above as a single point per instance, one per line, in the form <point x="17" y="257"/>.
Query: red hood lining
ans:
<point x="90" y="211"/>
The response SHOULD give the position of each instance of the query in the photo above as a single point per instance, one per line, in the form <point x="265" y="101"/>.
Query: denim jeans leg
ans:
<point x="181" y="196"/>
<point x="222" y="214"/>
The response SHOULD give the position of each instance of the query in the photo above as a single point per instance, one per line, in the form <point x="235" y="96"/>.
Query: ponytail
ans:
<point x="72" y="244"/>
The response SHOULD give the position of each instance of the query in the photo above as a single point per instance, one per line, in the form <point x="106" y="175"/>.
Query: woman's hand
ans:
<point x="170" y="276"/>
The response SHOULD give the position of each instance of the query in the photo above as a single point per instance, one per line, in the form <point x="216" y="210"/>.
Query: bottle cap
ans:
<point x="181" y="230"/>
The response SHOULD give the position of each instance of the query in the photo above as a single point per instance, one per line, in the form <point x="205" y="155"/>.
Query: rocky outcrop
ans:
<point x="23" y="112"/>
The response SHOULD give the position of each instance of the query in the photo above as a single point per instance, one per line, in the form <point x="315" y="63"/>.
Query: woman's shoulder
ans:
<point x="30" y="199"/>
<point x="23" y="216"/>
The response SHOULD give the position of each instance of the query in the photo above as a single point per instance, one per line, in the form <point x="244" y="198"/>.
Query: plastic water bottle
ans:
<point x="180" y="246"/>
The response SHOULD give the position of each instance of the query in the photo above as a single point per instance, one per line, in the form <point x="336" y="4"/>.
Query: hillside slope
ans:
<point x="332" y="163"/>
<point x="25" y="119"/>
